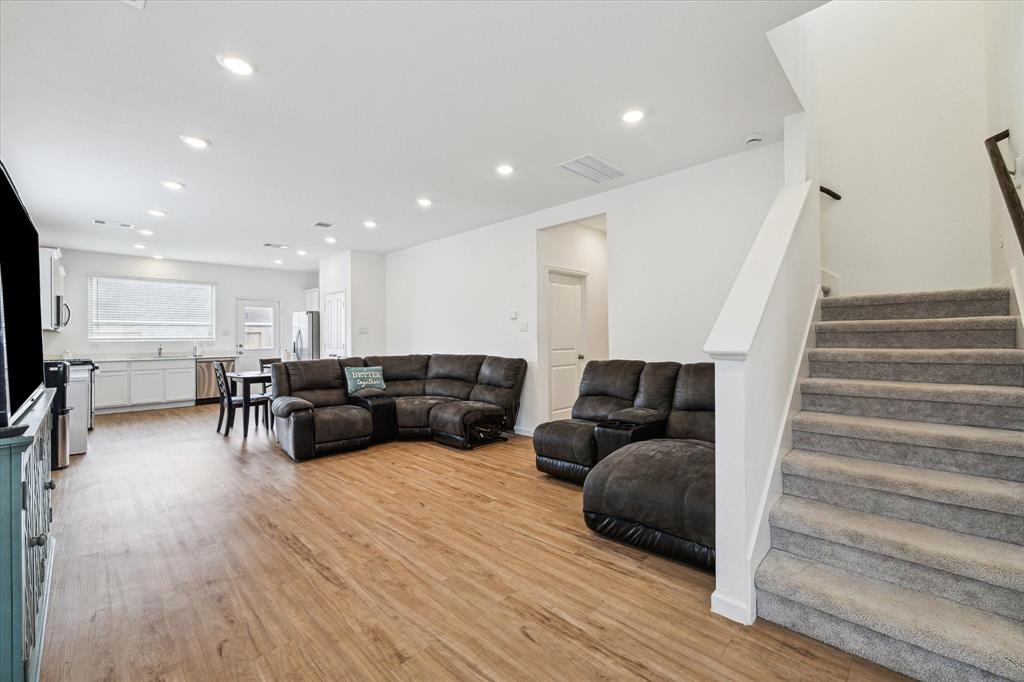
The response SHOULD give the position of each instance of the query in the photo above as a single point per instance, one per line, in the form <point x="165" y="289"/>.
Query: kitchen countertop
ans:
<point x="138" y="358"/>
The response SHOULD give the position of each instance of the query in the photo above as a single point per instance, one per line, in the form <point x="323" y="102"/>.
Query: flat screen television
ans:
<point x="21" y="324"/>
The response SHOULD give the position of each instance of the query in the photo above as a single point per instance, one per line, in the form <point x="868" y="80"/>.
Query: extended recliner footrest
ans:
<point x="467" y="424"/>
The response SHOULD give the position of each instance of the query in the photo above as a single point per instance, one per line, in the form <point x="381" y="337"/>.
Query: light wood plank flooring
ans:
<point x="184" y="555"/>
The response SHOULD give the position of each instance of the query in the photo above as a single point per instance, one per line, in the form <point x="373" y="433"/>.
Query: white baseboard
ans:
<point x="523" y="431"/>
<point x="148" y="406"/>
<point x="732" y="609"/>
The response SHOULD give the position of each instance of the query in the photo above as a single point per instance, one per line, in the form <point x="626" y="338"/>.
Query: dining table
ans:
<point x="247" y="379"/>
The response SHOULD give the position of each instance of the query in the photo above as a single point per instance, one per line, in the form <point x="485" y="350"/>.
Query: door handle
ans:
<point x="579" y="357"/>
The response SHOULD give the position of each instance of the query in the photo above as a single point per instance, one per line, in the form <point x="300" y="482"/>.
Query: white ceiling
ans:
<point x="359" y="108"/>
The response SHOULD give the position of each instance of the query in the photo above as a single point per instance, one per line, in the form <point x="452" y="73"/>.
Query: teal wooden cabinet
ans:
<point x="25" y="543"/>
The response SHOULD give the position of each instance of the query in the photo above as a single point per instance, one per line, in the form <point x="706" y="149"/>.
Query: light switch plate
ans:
<point x="514" y="315"/>
<point x="363" y="331"/>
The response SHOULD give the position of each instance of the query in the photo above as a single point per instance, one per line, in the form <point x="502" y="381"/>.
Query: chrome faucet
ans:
<point x="160" y="351"/>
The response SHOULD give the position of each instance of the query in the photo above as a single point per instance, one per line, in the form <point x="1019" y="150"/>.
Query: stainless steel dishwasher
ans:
<point x="206" y="378"/>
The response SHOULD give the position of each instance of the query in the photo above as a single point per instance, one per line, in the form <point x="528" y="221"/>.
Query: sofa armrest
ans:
<point x="612" y="435"/>
<point x="285" y="405"/>
<point x="637" y="415"/>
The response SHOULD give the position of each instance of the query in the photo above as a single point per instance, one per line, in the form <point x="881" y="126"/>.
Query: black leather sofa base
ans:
<point x="570" y="471"/>
<point x="651" y="539"/>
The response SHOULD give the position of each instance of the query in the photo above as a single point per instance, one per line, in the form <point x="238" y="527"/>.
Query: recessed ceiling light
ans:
<point x="633" y="116"/>
<point x="504" y="169"/>
<point x="138" y="246"/>
<point x="158" y="257"/>
<point x="195" y="142"/>
<point x="424" y="202"/>
<point x="156" y="213"/>
<point x="146" y="233"/>
<point x="235" y="64"/>
<point x="330" y="240"/>
<point x="301" y="252"/>
<point x="369" y="224"/>
<point x="173" y="184"/>
<point x="278" y="261"/>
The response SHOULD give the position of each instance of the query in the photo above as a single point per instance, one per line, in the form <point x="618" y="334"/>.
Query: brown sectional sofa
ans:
<point x="460" y="400"/>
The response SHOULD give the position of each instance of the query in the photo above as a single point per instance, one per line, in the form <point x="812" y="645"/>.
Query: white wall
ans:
<point x="360" y="275"/>
<point x="675" y="244"/>
<point x="901" y="101"/>
<point x="367" y="303"/>
<point x="232" y="283"/>
<point x="583" y="250"/>
<point x="1005" y="42"/>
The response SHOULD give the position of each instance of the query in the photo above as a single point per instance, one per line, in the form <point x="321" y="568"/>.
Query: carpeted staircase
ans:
<point x="899" y="536"/>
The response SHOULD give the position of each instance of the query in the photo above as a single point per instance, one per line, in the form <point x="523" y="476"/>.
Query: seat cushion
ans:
<point x="414" y="411"/>
<point x="664" y="484"/>
<point x="570" y="440"/>
<point x="341" y="422"/>
<point x="455" y="416"/>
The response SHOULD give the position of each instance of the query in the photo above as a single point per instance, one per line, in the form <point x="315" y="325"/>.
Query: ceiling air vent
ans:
<point x="592" y="168"/>
<point x="321" y="224"/>
<point x="114" y="223"/>
<point x="271" y="245"/>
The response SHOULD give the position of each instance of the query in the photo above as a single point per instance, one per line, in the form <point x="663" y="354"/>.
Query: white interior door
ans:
<point x="565" y="341"/>
<point x="257" y="332"/>
<point x="332" y="322"/>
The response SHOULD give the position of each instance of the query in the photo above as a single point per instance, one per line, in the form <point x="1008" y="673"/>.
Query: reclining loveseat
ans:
<point x="459" y="400"/>
<point x="620" y="401"/>
<point x="660" y="494"/>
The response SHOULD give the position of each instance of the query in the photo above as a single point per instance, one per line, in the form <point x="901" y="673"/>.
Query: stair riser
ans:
<point x="917" y="311"/>
<point x="967" y="591"/>
<point x="980" y="522"/>
<point x="991" y="416"/>
<point x="932" y="373"/>
<point x="874" y="646"/>
<point x="977" y="338"/>
<point x="943" y="459"/>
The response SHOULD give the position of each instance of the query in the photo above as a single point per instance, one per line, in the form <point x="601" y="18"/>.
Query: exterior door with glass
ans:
<point x="258" y="331"/>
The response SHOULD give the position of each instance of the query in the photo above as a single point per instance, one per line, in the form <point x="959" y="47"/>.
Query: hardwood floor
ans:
<point x="184" y="555"/>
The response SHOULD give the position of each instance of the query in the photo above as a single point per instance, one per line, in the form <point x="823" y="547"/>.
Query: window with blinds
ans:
<point x="130" y="309"/>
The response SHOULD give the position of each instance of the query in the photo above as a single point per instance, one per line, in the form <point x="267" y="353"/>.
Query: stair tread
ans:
<point x="918" y="325"/>
<point x="991" y="561"/>
<point x="979" y="356"/>
<point x="1008" y="396"/>
<point x="950" y="436"/>
<point x="981" y="294"/>
<point x="976" y="492"/>
<point x="979" y="638"/>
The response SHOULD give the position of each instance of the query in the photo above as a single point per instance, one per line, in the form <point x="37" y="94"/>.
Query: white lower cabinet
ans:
<point x="147" y="386"/>
<point x="145" y="382"/>
<point x="180" y="384"/>
<point x="111" y="389"/>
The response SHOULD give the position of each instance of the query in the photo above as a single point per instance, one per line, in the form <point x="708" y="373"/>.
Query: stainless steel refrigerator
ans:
<point x="306" y="335"/>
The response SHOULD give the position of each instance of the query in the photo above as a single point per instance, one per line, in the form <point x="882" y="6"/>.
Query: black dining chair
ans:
<point x="265" y="364"/>
<point x="229" y="402"/>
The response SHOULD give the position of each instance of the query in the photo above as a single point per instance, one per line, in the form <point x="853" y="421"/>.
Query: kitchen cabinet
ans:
<point x="144" y="382"/>
<point x="180" y="384"/>
<point x="112" y="385"/>
<point x="146" y="386"/>
<point x="54" y="309"/>
<point x="312" y="299"/>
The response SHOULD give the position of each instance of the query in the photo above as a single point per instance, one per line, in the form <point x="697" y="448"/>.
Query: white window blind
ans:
<point x="129" y="309"/>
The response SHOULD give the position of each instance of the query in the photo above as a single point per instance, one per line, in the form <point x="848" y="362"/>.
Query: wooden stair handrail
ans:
<point x="1009" y="192"/>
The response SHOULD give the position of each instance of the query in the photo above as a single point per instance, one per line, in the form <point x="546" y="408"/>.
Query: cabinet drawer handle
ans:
<point x="50" y="485"/>
<point x="37" y="541"/>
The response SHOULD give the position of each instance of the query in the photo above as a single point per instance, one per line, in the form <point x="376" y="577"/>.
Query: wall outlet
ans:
<point x="524" y="327"/>
<point x="363" y="331"/>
